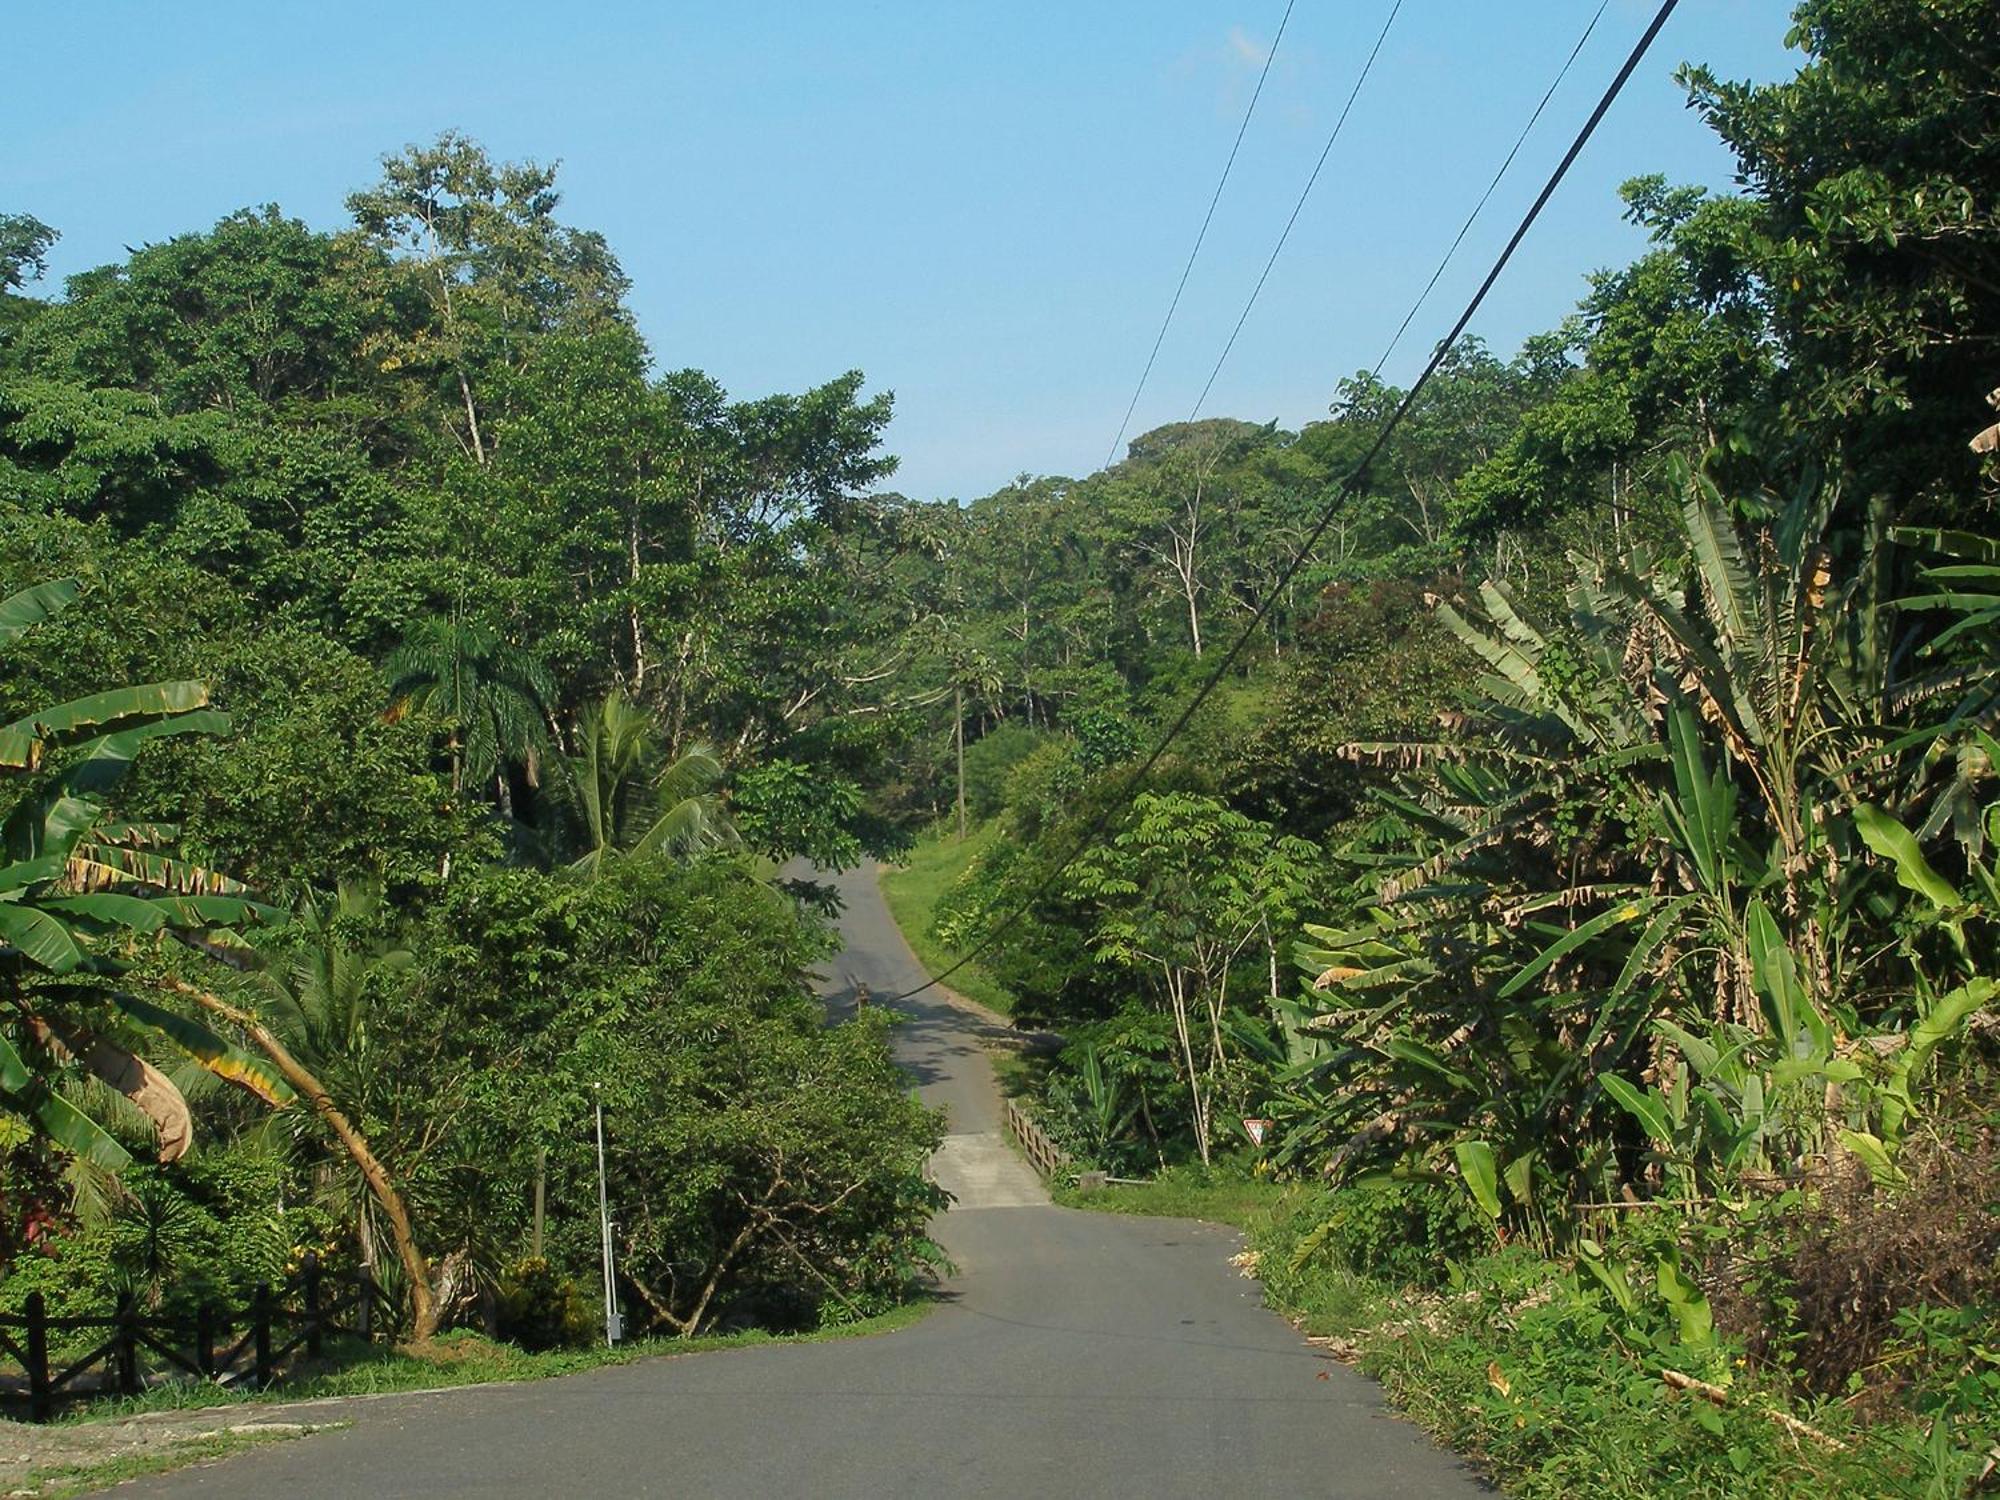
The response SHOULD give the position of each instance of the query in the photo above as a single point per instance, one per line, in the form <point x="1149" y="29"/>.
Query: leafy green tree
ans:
<point x="1183" y="892"/>
<point x="1672" y="355"/>
<point x="761" y="1162"/>
<point x="25" y="242"/>
<point x="480" y="244"/>
<point x="1872" y="173"/>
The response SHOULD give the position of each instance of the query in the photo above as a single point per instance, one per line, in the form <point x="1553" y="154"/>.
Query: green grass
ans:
<point x="933" y="866"/>
<point x="1023" y="1074"/>
<point x="1221" y="1197"/>
<point x="458" y="1358"/>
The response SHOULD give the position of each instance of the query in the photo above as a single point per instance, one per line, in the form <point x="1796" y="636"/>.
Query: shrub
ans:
<point x="990" y="759"/>
<point x="1403" y="1233"/>
<point x="1825" y="1286"/>
<point x="541" y="1308"/>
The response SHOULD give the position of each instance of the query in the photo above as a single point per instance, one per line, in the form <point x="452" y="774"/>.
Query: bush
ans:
<point x="541" y="1308"/>
<point x="1833" y="1288"/>
<point x="1404" y="1233"/>
<point x="988" y="761"/>
<point x="203" y="1229"/>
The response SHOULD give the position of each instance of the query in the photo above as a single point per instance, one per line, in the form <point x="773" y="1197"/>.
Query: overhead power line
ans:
<point x="1485" y="197"/>
<point x="1202" y="234"/>
<point x="1356" y="477"/>
<point x="1297" y="208"/>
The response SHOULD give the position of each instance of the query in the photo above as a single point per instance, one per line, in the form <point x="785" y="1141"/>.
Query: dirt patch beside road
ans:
<point x="72" y="1458"/>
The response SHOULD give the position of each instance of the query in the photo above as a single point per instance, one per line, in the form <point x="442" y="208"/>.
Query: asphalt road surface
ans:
<point x="1075" y="1354"/>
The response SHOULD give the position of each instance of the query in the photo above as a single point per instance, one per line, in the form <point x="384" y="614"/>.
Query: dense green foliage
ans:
<point x="1606" y="815"/>
<point x="1587" y="872"/>
<point x="473" y="647"/>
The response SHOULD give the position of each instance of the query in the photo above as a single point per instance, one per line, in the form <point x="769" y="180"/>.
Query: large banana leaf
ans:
<point x="114" y="909"/>
<point x="19" y="876"/>
<point x="1733" y="605"/>
<point x="1787" y="1007"/>
<point x="22" y="1092"/>
<point x="31" y="606"/>
<point x="1890" y="840"/>
<point x="1703" y="815"/>
<point x="1946" y="1016"/>
<point x="21" y="742"/>
<point x="1648" y="1108"/>
<point x="49" y="822"/>
<point x="104" y="867"/>
<point x="210" y="1050"/>
<point x="1479" y="1170"/>
<point x="1576" y="937"/>
<point x="42" y="939"/>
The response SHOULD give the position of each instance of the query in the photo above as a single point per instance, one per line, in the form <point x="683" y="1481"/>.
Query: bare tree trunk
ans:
<point x="472" y="420"/>
<point x="1177" y="994"/>
<point x="416" y="1270"/>
<point x="632" y="610"/>
<point x="958" y="726"/>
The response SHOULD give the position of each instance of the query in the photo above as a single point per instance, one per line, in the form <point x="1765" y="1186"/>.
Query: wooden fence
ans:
<point x="1043" y="1154"/>
<point x="268" y="1332"/>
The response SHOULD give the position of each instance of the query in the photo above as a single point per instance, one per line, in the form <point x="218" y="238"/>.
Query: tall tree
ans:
<point x="492" y="694"/>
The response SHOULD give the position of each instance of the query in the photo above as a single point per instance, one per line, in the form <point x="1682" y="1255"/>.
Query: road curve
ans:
<point x="1075" y="1354"/>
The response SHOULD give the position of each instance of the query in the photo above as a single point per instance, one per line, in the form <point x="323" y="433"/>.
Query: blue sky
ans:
<point x="985" y="208"/>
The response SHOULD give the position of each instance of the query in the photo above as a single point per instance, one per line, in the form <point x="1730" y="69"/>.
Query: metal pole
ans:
<point x="611" y="1321"/>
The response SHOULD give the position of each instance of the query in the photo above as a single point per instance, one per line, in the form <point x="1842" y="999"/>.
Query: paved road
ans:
<point x="1076" y="1354"/>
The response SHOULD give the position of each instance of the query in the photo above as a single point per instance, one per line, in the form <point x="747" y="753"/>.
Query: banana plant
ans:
<point x="80" y="891"/>
<point x="1635" y="852"/>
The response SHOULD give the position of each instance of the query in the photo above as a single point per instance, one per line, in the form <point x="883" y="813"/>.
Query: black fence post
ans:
<point x="204" y="1340"/>
<point x="309" y="1275"/>
<point x="126" y="1352"/>
<point x="364" y="1310"/>
<point x="260" y="1318"/>
<point x="40" y="1398"/>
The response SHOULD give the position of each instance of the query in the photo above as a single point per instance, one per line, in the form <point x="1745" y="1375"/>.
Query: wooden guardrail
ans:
<point x="268" y="1332"/>
<point x="1043" y="1154"/>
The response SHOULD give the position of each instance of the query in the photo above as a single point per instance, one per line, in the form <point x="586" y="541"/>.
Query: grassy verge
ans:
<point x="88" y="1476"/>
<point x="1219" y="1197"/>
<point x="456" y="1359"/>
<point x="1508" y="1359"/>
<point x="913" y="892"/>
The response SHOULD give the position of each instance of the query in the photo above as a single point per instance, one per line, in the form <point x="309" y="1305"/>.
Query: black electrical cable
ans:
<point x="1348" y="486"/>
<point x="1479" y="207"/>
<point x="1298" y="207"/>
<point x="1202" y="234"/>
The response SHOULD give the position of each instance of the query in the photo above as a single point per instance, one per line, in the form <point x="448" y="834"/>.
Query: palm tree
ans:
<point x="492" y="693"/>
<point x="310" y="1017"/>
<point x="626" y="801"/>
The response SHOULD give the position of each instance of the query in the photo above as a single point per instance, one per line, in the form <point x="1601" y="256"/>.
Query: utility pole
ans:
<point x="958" y="726"/>
<point x="613" y="1324"/>
<point x="541" y="1196"/>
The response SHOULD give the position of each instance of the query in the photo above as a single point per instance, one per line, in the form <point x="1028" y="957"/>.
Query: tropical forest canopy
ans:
<point x="1605" y="810"/>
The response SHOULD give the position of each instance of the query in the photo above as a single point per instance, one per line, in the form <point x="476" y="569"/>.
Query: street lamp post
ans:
<point x="614" y="1326"/>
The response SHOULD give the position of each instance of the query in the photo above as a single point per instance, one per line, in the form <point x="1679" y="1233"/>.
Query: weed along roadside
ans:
<point x="1515" y="1361"/>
